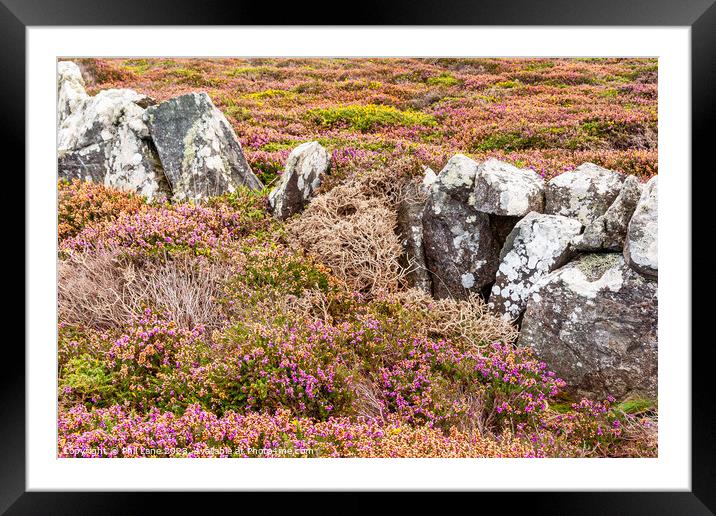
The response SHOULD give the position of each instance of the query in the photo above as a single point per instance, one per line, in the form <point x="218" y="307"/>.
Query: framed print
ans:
<point x="419" y="254"/>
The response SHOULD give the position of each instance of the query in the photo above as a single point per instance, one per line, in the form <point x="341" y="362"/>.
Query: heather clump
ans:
<point x="83" y="203"/>
<point x="141" y="367"/>
<point x="166" y="229"/>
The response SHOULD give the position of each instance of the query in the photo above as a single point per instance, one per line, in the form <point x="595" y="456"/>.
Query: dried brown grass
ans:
<point x="468" y="320"/>
<point x="352" y="231"/>
<point x="104" y="290"/>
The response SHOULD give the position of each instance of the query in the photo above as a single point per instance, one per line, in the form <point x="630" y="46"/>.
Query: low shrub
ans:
<point x="369" y="117"/>
<point x="353" y="235"/>
<point x="83" y="203"/>
<point x="444" y="79"/>
<point x="158" y="230"/>
<point x="105" y="289"/>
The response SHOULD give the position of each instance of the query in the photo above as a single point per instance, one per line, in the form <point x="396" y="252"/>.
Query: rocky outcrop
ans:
<point x="608" y="231"/>
<point x="503" y="189"/>
<point x="104" y="139"/>
<point x="594" y="322"/>
<point x="536" y="246"/>
<point x="584" y="193"/>
<point x="198" y="148"/>
<point x="460" y="251"/>
<point x="410" y="232"/>
<point x="641" y="247"/>
<point x="301" y="177"/>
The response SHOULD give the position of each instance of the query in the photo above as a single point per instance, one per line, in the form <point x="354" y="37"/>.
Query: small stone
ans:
<point x="457" y="178"/>
<point x="301" y="177"/>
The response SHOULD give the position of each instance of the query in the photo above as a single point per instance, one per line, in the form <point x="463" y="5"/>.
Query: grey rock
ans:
<point x="88" y="163"/>
<point x="301" y="177"/>
<point x="536" y="246"/>
<point x="594" y="323"/>
<point x="608" y="232"/>
<point x="584" y="193"/>
<point x="460" y="250"/>
<point x="410" y="233"/>
<point x="457" y="179"/>
<point x="198" y="148"/>
<point x="104" y="139"/>
<point x="71" y="94"/>
<point x="641" y="248"/>
<point x="503" y="189"/>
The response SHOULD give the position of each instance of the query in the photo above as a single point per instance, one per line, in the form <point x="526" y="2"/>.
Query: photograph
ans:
<point x="357" y="257"/>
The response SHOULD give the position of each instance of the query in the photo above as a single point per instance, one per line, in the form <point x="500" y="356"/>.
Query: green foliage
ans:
<point x="636" y="406"/>
<point x="609" y="93"/>
<point x="194" y="77"/>
<point x="444" y="79"/>
<point x="268" y="94"/>
<point x="510" y="142"/>
<point x="538" y="66"/>
<point x="87" y="377"/>
<point x="507" y="84"/>
<point x="255" y="72"/>
<point x="369" y="117"/>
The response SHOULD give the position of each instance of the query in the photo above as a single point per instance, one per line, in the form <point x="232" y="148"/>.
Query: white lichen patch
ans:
<point x="429" y="178"/>
<point x="577" y="282"/>
<point x="98" y="118"/>
<point x="467" y="280"/>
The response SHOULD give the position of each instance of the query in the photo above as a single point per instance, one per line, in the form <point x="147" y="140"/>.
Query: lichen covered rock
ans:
<point x="301" y="177"/>
<point x="503" y="189"/>
<point x="536" y="246"/>
<point x="584" y="193"/>
<point x="641" y="248"/>
<point x="198" y="148"/>
<point x="104" y="139"/>
<point x="608" y="231"/>
<point x="457" y="179"/>
<point x="460" y="251"/>
<point x="594" y="322"/>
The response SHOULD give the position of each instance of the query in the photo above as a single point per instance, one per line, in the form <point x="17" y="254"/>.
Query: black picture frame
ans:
<point x="700" y="15"/>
